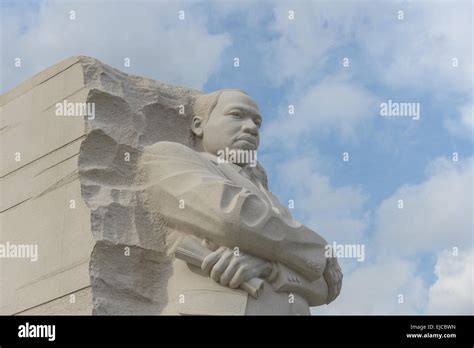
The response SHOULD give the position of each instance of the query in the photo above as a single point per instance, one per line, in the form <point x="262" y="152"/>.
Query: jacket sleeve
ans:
<point x="193" y="197"/>
<point x="316" y="292"/>
<point x="323" y="290"/>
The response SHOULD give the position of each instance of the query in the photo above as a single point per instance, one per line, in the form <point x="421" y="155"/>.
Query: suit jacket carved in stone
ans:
<point x="228" y="205"/>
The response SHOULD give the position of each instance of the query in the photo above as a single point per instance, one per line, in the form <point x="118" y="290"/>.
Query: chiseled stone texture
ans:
<point x="129" y="267"/>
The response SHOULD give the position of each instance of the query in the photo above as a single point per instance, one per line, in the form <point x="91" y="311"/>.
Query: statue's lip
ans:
<point x="248" y="138"/>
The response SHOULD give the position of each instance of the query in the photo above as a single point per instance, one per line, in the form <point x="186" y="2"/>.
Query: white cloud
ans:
<point x="375" y="289"/>
<point x="436" y="214"/>
<point x="462" y="124"/>
<point x="467" y="117"/>
<point x="333" y="106"/>
<point x="337" y="213"/>
<point x="302" y="45"/>
<point x="452" y="293"/>
<point x="159" y="45"/>
<point x="416" y="52"/>
<point x="428" y="52"/>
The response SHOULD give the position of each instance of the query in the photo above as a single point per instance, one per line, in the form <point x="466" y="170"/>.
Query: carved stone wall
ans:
<point x="129" y="268"/>
<point x="39" y="190"/>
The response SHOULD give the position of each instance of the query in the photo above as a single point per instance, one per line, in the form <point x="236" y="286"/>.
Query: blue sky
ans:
<point x="337" y="110"/>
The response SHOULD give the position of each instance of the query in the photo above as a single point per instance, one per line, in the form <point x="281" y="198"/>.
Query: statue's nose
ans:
<point x="250" y="127"/>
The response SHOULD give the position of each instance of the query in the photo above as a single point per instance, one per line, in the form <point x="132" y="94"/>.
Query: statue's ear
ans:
<point x="196" y="126"/>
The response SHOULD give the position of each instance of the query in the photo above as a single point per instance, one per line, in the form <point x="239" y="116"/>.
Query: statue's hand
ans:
<point x="231" y="270"/>
<point x="333" y="276"/>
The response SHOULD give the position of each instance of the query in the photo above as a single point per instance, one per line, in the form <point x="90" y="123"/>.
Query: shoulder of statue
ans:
<point x="166" y="158"/>
<point x="170" y="149"/>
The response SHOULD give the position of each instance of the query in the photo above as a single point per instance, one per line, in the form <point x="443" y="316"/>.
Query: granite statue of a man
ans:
<point x="238" y="250"/>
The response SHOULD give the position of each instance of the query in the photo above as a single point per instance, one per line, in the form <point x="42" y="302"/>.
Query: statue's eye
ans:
<point x="235" y="113"/>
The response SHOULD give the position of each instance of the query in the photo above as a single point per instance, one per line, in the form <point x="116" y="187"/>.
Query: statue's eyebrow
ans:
<point x="247" y="110"/>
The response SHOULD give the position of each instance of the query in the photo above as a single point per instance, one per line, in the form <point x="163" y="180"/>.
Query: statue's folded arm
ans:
<point x="194" y="198"/>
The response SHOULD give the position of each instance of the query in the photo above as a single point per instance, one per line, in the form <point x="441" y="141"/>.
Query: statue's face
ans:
<point x="234" y="123"/>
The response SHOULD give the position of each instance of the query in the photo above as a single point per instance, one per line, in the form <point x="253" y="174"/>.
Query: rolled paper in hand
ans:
<point x="193" y="252"/>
